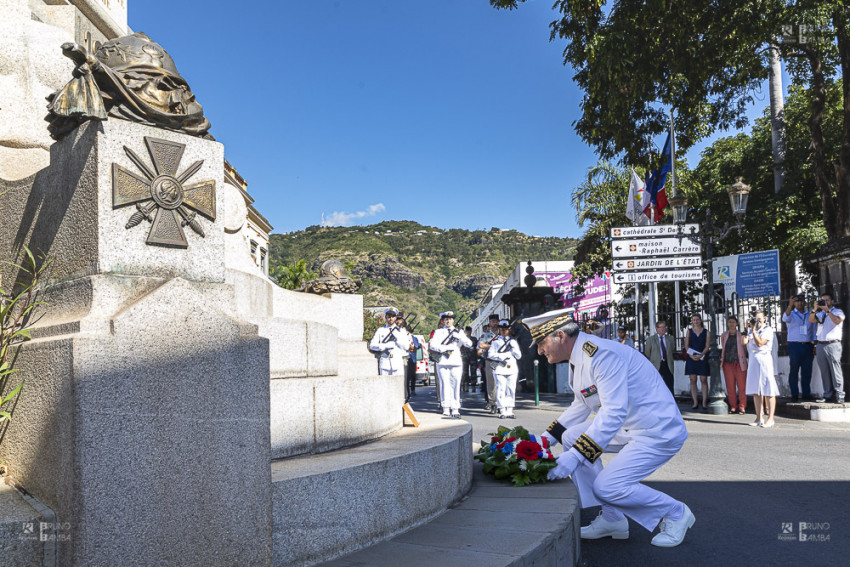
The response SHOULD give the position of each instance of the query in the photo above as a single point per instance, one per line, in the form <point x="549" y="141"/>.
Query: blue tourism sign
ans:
<point x="749" y="275"/>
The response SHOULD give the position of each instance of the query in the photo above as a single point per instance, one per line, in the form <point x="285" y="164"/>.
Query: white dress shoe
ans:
<point x="673" y="531"/>
<point x="600" y="527"/>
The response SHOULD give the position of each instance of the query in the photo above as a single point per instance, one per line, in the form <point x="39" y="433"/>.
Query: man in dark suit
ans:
<point x="659" y="351"/>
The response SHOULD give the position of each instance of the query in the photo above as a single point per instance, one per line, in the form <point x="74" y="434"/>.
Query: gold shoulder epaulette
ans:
<point x="589" y="348"/>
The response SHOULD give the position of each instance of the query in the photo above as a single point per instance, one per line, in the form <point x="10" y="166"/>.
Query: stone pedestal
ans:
<point x="144" y="422"/>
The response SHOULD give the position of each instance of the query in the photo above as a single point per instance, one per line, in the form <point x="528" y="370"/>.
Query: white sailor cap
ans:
<point x="390" y="311"/>
<point x="504" y="323"/>
<point x="541" y="325"/>
<point x="446" y="314"/>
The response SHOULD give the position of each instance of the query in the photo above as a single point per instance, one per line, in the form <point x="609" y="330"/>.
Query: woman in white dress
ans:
<point x="761" y="383"/>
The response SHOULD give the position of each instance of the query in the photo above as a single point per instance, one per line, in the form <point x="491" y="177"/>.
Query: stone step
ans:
<point x="327" y="505"/>
<point x="831" y="412"/>
<point x="20" y="530"/>
<point x="496" y="525"/>
<point x="316" y="414"/>
<point x="355" y="358"/>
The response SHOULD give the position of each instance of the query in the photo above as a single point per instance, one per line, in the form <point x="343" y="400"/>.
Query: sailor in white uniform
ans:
<point x="636" y="416"/>
<point x="391" y="344"/>
<point x="447" y="341"/>
<point x="505" y="352"/>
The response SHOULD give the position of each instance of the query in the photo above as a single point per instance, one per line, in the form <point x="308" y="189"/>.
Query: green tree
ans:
<point x="634" y="59"/>
<point x="292" y="276"/>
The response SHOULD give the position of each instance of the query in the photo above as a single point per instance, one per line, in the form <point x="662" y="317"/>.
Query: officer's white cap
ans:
<point x="541" y="325"/>
<point x="390" y="311"/>
<point x="504" y="323"/>
<point x="445" y="314"/>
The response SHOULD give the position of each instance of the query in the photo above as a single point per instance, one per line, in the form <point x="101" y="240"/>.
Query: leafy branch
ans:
<point x="17" y="307"/>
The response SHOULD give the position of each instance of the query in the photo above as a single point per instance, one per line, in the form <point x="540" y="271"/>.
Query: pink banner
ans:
<point x="597" y="291"/>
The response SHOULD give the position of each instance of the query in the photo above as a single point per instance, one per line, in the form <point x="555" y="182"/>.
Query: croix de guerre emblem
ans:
<point x="160" y="195"/>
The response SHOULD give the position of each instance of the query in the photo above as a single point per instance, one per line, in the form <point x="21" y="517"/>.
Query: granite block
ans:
<point x="334" y="503"/>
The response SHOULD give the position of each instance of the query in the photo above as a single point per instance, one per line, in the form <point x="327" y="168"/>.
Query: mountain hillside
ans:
<point x="420" y="269"/>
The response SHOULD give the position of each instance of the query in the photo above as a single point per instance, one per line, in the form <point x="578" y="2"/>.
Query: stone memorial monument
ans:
<point x="179" y="407"/>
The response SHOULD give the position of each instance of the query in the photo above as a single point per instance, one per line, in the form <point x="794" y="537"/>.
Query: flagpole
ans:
<point x="653" y="289"/>
<point x="677" y="304"/>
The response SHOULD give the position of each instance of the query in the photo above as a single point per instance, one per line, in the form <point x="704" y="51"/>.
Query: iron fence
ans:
<point x="623" y="314"/>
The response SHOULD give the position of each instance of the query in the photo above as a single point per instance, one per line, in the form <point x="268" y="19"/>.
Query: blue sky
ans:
<point x="446" y="112"/>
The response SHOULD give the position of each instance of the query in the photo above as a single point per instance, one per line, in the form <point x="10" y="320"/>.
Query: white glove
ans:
<point x="568" y="462"/>
<point x="549" y="437"/>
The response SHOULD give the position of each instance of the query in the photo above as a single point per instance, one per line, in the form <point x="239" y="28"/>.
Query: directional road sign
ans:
<point x="657" y="263"/>
<point x="658" y="276"/>
<point x="655" y="230"/>
<point x="650" y="247"/>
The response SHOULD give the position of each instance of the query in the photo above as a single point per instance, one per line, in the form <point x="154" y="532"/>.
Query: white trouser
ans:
<point x="394" y="365"/>
<point x="617" y="485"/>
<point x="505" y="390"/>
<point x="449" y="377"/>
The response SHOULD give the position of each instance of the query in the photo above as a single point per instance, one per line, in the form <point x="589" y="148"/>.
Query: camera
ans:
<point x="822" y="302"/>
<point x="752" y="322"/>
<point x="800" y="297"/>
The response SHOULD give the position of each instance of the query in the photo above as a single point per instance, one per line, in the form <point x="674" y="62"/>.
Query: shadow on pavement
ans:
<point x="741" y="523"/>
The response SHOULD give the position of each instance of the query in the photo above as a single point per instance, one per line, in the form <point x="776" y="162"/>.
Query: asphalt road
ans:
<point x="749" y="488"/>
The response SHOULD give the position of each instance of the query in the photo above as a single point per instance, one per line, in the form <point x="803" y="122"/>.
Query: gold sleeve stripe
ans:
<point x="588" y="448"/>
<point x="556" y="430"/>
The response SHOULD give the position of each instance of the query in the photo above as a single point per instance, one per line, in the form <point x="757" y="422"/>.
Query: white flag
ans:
<point x="638" y="197"/>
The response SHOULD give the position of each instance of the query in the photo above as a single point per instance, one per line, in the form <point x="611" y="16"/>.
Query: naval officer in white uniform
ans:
<point x="636" y="416"/>
<point x="505" y="352"/>
<point x="391" y="343"/>
<point x="447" y="341"/>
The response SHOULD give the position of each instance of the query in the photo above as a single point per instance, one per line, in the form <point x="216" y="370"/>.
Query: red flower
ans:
<point x="510" y="439"/>
<point x="494" y="439"/>
<point x="528" y="450"/>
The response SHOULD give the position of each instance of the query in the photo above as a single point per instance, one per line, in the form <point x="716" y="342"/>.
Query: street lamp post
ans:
<point x="738" y="194"/>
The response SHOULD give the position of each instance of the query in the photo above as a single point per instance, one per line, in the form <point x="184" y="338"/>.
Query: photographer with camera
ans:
<point x="801" y="354"/>
<point x="829" y="321"/>
<point x="761" y="384"/>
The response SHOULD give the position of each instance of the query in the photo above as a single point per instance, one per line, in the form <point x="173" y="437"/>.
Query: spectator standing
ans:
<point x="659" y="351"/>
<point x="761" y="383"/>
<point x="623" y="337"/>
<point x="801" y="354"/>
<point x="489" y="379"/>
<point x="733" y="354"/>
<point x="410" y="371"/>
<point x="470" y="362"/>
<point x="696" y="345"/>
<point x="830" y="321"/>
<point x="482" y="361"/>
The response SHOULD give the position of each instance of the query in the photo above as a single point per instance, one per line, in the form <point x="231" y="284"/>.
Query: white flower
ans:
<point x="523" y="466"/>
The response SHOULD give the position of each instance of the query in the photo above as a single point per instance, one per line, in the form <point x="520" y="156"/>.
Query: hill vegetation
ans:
<point x="419" y="269"/>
